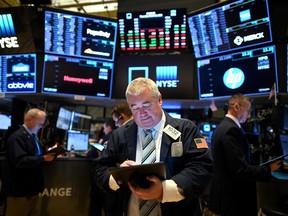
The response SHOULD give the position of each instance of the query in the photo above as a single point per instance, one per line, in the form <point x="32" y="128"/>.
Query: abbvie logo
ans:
<point x="20" y="85"/>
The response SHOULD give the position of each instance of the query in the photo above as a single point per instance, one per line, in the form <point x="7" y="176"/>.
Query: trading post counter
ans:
<point x="67" y="188"/>
<point x="273" y="196"/>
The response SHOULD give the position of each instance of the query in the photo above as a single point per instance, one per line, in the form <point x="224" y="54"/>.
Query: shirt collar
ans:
<point x="234" y="119"/>
<point x="27" y="129"/>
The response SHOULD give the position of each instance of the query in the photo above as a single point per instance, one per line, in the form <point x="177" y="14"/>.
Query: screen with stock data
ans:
<point x="77" y="35"/>
<point x="18" y="73"/>
<point x="152" y="30"/>
<point x="251" y="72"/>
<point x="77" y="76"/>
<point x="229" y="26"/>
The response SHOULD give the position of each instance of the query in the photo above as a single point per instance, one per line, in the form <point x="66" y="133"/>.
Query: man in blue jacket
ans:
<point x="178" y="143"/>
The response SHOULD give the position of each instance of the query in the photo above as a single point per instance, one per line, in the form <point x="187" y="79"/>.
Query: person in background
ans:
<point x="233" y="187"/>
<point x="121" y="114"/>
<point x="24" y="179"/>
<point x="108" y="127"/>
<point x="100" y="200"/>
<point x="187" y="157"/>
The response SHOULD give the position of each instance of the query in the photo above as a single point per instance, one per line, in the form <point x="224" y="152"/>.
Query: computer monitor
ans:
<point x="153" y="30"/>
<point x="78" y="140"/>
<point x="79" y="35"/>
<point x="229" y="26"/>
<point x="63" y="118"/>
<point x="63" y="75"/>
<point x="251" y="72"/>
<point x="5" y="120"/>
<point x="80" y="122"/>
<point x="284" y="145"/>
<point x="18" y="73"/>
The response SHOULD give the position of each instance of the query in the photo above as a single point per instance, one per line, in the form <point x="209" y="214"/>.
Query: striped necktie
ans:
<point x="149" y="148"/>
<point x="148" y="207"/>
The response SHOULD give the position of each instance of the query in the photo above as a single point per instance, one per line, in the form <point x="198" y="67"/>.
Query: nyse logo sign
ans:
<point x="166" y="76"/>
<point x="7" y="32"/>
<point x="233" y="78"/>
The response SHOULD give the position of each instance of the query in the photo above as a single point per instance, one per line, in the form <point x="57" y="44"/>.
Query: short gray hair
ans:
<point x="138" y="85"/>
<point x="35" y="113"/>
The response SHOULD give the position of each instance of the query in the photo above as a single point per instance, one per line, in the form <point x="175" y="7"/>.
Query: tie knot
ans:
<point x="149" y="131"/>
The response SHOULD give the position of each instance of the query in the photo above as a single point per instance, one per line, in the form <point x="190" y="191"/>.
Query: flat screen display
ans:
<point x="173" y="74"/>
<point x="79" y="35"/>
<point x="18" y="73"/>
<point x="252" y="72"/>
<point x="284" y="145"/>
<point x="80" y="122"/>
<point x="64" y="118"/>
<point x="5" y="121"/>
<point x="75" y="76"/>
<point x="228" y="26"/>
<point x="153" y="30"/>
<point x="78" y="140"/>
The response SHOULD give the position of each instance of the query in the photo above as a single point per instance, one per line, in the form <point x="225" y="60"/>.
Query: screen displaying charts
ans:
<point x="153" y="30"/>
<point x="228" y="26"/>
<point x="79" y="35"/>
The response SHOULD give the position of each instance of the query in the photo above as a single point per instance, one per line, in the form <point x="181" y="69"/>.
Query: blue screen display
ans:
<point x="251" y="72"/>
<point x="229" y="26"/>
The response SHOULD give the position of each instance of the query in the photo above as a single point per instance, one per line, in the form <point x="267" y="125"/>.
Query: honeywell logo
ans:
<point x="78" y="80"/>
<point x="7" y="32"/>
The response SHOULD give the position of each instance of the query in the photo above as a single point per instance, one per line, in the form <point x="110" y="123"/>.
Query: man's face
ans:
<point x="36" y="123"/>
<point x="245" y="111"/>
<point x="146" y="110"/>
<point x="117" y="120"/>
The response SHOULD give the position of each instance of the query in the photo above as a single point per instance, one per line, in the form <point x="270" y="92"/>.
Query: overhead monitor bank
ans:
<point x="79" y="50"/>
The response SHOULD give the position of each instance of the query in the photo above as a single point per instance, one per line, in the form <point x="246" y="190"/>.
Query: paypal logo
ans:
<point x="233" y="78"/>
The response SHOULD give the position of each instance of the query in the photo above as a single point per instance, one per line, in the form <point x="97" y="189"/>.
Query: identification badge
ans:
<point x="177" y="149"/>
<point x="172" y="132"/>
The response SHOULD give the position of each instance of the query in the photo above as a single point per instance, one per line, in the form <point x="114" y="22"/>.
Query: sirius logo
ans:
<point x="7" y="31"/>
<point x="233" y="78"/>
